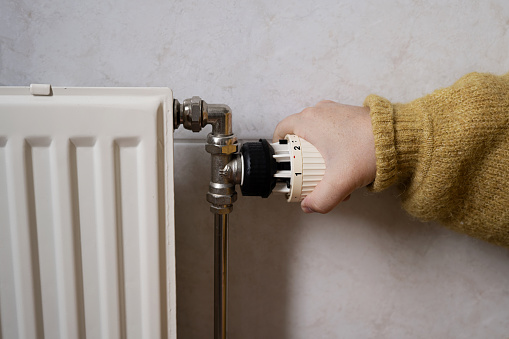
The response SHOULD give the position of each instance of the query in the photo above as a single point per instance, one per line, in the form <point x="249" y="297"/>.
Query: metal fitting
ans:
<point x="177" y="116"/>
<point x="220" y="199"/>
<point x="233" y="170"/>
<point x="194" y="114"/>
<point x="221" y="149"/>
<point x="221" y="209"/>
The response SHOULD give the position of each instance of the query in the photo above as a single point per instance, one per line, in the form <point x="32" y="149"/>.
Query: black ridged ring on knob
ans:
<point x="259" y="169"/>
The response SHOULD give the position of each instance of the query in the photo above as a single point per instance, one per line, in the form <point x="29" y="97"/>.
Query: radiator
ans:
<point x="86" y="213"/>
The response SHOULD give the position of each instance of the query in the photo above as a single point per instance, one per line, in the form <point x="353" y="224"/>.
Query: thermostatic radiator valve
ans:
<point x="291" y="166"/>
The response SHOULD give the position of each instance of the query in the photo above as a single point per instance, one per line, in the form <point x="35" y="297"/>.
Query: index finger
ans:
<point x="285" y="126"/>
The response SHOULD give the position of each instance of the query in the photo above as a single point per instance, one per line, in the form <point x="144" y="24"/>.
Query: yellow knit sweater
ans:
<point x="449" y="153"/>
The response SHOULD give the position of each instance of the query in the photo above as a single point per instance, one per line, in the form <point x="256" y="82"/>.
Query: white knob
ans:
<point x="305" y="170"/>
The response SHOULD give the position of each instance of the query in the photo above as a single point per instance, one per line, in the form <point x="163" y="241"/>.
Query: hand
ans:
<point x="343" y="135"/>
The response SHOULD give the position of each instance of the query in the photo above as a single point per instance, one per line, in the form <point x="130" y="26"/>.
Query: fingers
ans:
<point x="297" y="123"/>
<point x="327" y="194"/>
<point x="286" y="126"/>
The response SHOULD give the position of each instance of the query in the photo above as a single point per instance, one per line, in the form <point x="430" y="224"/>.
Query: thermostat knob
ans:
<point x="292" y="167"/>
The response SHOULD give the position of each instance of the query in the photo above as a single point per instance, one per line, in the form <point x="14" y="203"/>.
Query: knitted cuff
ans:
<point x="398" y="136"/>
<point x="383" y="130"/>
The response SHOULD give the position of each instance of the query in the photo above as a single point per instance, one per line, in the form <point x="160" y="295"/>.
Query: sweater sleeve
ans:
<point x="449" y="154"/>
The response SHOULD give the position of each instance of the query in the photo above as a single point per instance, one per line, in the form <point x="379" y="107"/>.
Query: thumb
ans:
<point x="328" y="193"/>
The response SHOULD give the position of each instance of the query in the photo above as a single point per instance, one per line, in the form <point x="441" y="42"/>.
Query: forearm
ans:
<point x="449" y="151"/>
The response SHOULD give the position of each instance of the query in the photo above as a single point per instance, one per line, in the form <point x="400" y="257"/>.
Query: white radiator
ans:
<point x="86" y="213"/>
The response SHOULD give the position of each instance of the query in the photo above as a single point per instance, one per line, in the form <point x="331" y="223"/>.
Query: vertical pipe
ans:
<point x="220" y="275"/>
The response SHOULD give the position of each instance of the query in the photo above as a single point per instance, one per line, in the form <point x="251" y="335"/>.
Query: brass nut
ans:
<point x="221" y="149"/>
<point x="229" y="149"/>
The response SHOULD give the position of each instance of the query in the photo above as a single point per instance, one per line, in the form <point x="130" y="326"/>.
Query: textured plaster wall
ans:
<point x="366" y="270"/>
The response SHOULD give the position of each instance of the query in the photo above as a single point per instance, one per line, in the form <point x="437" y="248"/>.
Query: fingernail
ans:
<point x="307" y="210"/>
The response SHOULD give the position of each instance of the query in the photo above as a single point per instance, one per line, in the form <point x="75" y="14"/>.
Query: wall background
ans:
<point x="366" y="270"/>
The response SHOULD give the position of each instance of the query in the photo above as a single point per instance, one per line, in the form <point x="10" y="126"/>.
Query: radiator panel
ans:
<point x="86" y="214"/>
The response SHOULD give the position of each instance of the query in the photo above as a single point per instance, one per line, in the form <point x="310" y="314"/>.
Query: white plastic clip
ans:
<point x="40" y="89"/>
